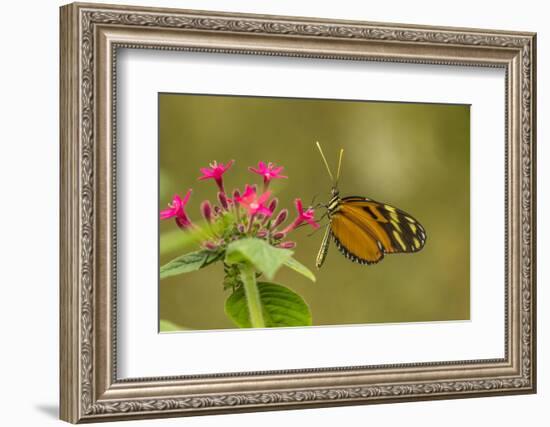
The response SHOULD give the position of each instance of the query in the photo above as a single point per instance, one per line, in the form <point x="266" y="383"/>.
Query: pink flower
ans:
<point x="303" y="216"/>
<point x="177" y="209"/>
<point x="269" y="172"/>
<point x="253" y="203"/>
<point x="215" y="172"/>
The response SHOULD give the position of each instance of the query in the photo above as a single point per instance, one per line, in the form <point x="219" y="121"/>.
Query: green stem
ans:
<point x="253" y="301"/>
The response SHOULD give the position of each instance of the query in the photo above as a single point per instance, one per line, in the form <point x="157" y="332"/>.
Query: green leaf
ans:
<point x="168" y="326"/>
<point x="177" y="240"/>
<point x="188" y="262"/>
<point x="300" y="268"/>
<point x="280" y="307"/>
<point x="264" y="257"/>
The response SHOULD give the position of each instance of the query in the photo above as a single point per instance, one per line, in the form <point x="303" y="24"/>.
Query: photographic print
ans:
<point x="289" y="212"/>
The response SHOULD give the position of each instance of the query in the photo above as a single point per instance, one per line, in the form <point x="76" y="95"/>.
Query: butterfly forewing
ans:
<point x="364" y="230"/>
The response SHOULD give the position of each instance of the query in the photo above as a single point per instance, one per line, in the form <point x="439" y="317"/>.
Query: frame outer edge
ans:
<point x="69" y="354"/>
<point x="78" y="222"/>
<point x="533" y="207"/>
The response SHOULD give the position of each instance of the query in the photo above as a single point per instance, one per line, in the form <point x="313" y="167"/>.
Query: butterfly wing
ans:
<point x="355" y="242"/>
<point x="360" y="225"/>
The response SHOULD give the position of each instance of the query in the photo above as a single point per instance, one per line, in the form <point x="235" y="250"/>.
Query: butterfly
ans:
<point x="365" y="230"/>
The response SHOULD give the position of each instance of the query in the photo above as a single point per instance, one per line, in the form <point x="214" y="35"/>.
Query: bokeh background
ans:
<point x="411" y="155"/>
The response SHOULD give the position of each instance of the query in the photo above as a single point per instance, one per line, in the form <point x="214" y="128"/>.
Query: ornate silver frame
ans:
<point x="90" y="36"/>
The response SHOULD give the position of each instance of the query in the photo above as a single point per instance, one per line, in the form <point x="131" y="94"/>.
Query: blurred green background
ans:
<point x="413" y="156"/>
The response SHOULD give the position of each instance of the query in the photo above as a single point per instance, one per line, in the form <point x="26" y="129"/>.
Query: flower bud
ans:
<point x="262" y="233"/>
<point x="210" y="245"/>
<point x="280" y="219"/>
<point x="287" y="245"/>
<point x="217" y="210"/>
<point x="236" y="194"/>
<point x="206" y="209"/>
<point x="241" y="228"/>
<point x="279" y="235"/>
<point x="273" y="205"/>
<point x="223" y="200"/>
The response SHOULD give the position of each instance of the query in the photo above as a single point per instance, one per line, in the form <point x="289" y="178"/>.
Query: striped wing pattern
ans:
<point x="364" y="230"/>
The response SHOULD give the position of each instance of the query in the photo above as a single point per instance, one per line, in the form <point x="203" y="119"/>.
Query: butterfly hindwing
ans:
<point x="353" y="241"/>
<point x="359" y="225"/>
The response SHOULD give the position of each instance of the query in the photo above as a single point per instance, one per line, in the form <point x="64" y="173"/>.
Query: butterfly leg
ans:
<point x="313" y="199"/>
<point x="323" y="250"/>
<point x="317" y="229"/>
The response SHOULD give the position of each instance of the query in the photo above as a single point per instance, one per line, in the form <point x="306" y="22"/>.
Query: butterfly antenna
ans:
<point x="339" y="166"/>
<point x="325" y="160"/>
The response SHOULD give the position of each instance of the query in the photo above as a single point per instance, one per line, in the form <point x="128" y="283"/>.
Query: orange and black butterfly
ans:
<point x="365" y="230"/>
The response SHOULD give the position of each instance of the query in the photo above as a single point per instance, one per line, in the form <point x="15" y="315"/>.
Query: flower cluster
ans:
<point x="246" y="213"/>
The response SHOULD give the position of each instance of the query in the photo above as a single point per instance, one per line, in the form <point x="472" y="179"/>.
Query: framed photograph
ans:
<point x="266" y="212"/>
